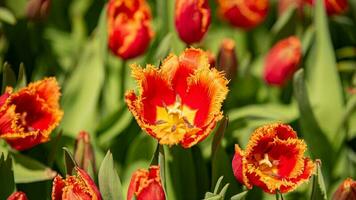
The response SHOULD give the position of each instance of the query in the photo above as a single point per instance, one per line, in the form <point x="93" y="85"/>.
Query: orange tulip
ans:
<point x="244" y="14"/>
<point x="129" y="27"/>
<point x="146" y="185"/>
<point x="17" y="196"/>
<point x="346" y="191"/>
<point x="28" y="116"/>
<point x="273" y="160"/>
<point x="77" y="187"/>
<point x="282" y="61"/>
<point x="180" y="102"/>
<point x="192" y="19"/>
<point x="333" y="7"/>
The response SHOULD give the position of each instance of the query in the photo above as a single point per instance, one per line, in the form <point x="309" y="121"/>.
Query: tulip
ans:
<point x="282" y="61"/>
<point x="273" y="160"/>
<point x="76" y="187"/>
<point x="333" y="7"/>
<point x="192" y="19"/>
<point x="284" y="5"/>
<point x="38" y="9"/>
<point x="28" y="116"/>
<point x="227" y="60"/>
<point x="146" y="185"/>
<point x="129" y="27"/>
<point x="180" y="102"/>
<point x="346" y="191"/>
<point x="245" y="14"/>
<point x="83" y="152"/>
<point x="17" y="196"/>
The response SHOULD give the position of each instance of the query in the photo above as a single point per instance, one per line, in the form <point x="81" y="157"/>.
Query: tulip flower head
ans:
<point x="76" y="187"/>
<point x="273" y="160"/>
<point x="245" y="14"/>
<point x="28" y="116"/>
<point x="17" y="196"/>
<point x="346" y="191"/>
<point x="333" y="7"/>
<point x="180" y="102"/>
<point x="129" y="27"/>
<point x="146" y="185"/>
<point x="282" y="61"/>
<point x="192" y="19"/>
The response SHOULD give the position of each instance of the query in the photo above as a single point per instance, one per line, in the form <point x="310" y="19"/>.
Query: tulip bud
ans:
<point x="17" y="196"/>
<point x="333" y="7"/>
<point x="38" y="9"/>
<point x="129" y="27"/>
<point x="346" y="191"/>
<point x="83" y="151"/>
<point x="282" y="61"/>
<point x="284" y="5"/>
<point x="192" y="19"/>
<point x="76" y="187"/>
<point x="227" y="60"/>
<point x="146" y="185"/>
<point x="243" y="14"/>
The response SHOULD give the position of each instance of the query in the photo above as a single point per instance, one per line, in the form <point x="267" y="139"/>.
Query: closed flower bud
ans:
<point x="83" y="152"/>
<point x="244" y="14"/>
<point x="129" y="27"/>
<point x="192" y="19"/>
<point x="227" y="60"/>
<point x="38" y="9"/>
<point x="282" y="61"/>
<point x="76" y="187"/>
<point x="333" y="7"/>
<point x="17" y="196"/>
<point x="346" y="191"/>
<point x="146" y="185"/>
<point x="28" y="116"/>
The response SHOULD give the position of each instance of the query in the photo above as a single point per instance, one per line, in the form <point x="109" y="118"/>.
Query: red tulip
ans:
<point x="129" y="27"/>
<point x="192" y="19"/>
<point x="273" y="160"/>
<point x="346" y="191"/>
<point x="244" y="13"/>
<point x="17" y="196"/>
<point x="28" y="116"/>
<point x="284" y="5"/>
<point x="77" y="187"/>
<point x="282" y="61"/>
<point x="38" y="9"/>
<point x="146" y="185"/>
<point x="333" y="7"/>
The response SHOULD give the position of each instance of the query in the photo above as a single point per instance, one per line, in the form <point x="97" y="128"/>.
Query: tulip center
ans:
<point x="173" y="122"/>
<point x="268" y="165"/>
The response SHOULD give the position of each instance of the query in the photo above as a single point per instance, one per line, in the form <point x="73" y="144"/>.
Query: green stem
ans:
<point x="123" y="78"/>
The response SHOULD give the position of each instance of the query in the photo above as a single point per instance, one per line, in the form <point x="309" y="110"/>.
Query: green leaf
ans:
<point x="164" y="48"/>
<point x="21" y="78"/>
<point x="159" y="159"/>
<point x="323" y="80"/>
<point x="69" y="161"/>
<point x="319" y="190"/>
<point x="285" y="24"/>
<point x="239" y="196"/>
<point x="217" y="185"/>
<point x="109" y="181"/>
<point x="8" y="77"/>
<point x="7" y="16"/>
<point x="7" y="182"/>
<point x="318" y="144"/>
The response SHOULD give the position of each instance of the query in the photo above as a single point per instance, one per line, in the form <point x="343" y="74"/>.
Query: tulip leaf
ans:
<point x="21" y="78"/>
<point x="159" y="159"/>
<point x="8" y="77"/>
<point x="109" y="181"/>
<point x="239" y="196"/>
<point x="7" y="182"/>
<point x="69" y="161"/>
<point x="217" y="194"/>
<point x="323" y="80"/>
<point x="319" y="145"/>
<point x="285" y="25"/>
<point x="319" y="190"/>
<point x="7" y="16"/>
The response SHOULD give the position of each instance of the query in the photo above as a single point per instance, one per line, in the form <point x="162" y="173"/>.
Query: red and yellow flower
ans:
<point x="146" y="185"/>
<point x="179" y="102"/>
<point x="273" y="160"/>
<point x="129" y="27"/>
<point x="282" y="61"/>
<point x="244" y="13"/>
<point x="333" y="7"/>
<point x="76" y="187"/>
<point x="192" y="19"/>
<point x="17" y="196"/>
<point x="346" y="191"/>
<point x="28" y="116"/>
